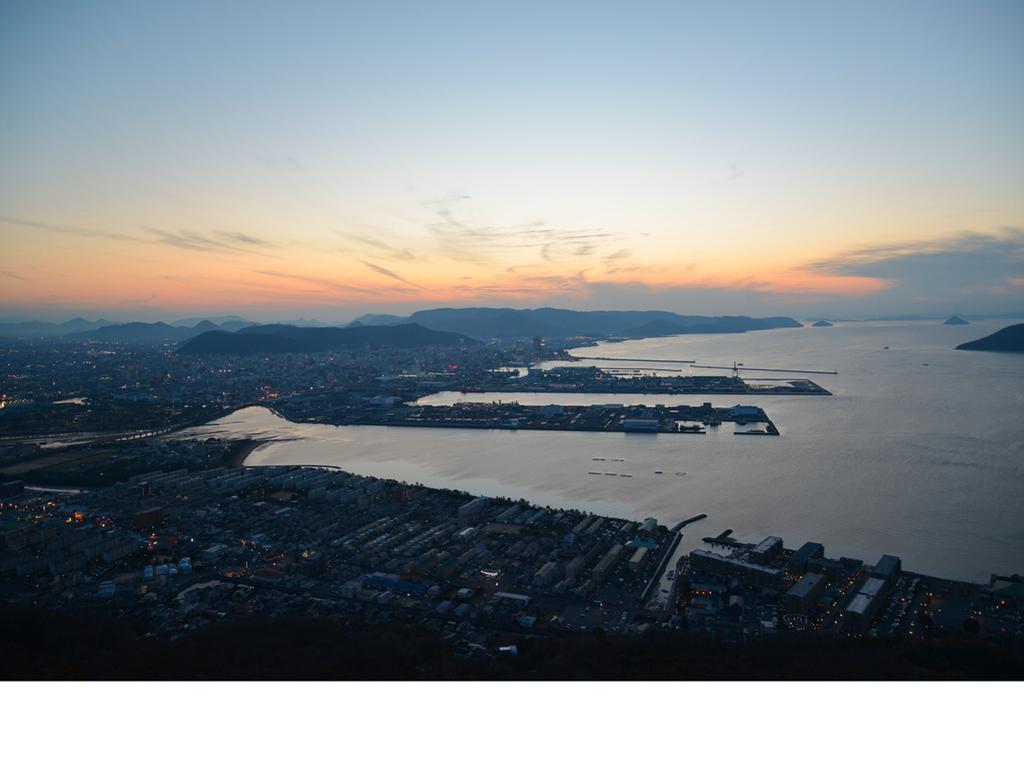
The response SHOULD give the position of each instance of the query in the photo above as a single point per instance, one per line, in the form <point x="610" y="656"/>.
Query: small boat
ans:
<point x="658" y="472"/>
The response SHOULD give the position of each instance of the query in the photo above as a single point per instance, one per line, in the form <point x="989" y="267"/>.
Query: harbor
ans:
<point x="658" y="419"/>
<point x="612" y="379"/>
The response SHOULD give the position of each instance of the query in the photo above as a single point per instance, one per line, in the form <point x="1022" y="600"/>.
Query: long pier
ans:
<point x="739" y="368"/>
<point x="693" y="364"/>
<point x="683" y="523"/>
<point x="616" y="369"/>
<point x="634" y="359"/>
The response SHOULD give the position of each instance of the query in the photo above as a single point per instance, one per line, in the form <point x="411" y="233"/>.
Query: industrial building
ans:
<point x="865" y="604"/>
<point x="888" y="568"/>
<point x="702" y="560"/>
<point x="797" y="565"/>
<point x="804" y="593"/>
<point x="470" y="511"/>
<point x="639" y="558"/>
<point x="767" y="551"/>
<point x="546" y="574"/>
<point x="608" y="563"/>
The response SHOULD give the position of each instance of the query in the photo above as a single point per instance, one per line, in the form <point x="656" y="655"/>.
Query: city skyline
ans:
<point x="799" y="160"/>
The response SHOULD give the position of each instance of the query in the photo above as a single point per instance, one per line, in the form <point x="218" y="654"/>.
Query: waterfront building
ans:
<point x="802" y="595"/>
<point x="864" y="605"/>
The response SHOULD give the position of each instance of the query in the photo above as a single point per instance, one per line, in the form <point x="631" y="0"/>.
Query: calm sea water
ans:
<point x="920" y="453"/>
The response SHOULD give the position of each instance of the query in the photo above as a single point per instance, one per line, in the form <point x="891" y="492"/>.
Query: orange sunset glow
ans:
<point x="398" y="183"/>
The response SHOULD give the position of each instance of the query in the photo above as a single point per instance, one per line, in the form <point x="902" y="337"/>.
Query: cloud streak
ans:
<point x="61" y="229"/>
<point x="194" y="241"/>
<point x="222" y="241"/>
<point x="385" y="250"/>
<point x="387" y="273"/>
<point x="317" y="281"/>
<point x="464" y="242"/>
<point x="243" y="239"/>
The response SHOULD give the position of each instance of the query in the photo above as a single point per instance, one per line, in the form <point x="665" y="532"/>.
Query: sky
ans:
<point x="322" y="160"/>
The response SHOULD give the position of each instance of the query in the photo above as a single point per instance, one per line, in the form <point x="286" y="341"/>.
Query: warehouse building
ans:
<point x="865" y="604"/>
<point x="703" y="561"/>
<point x="888" y="569"/>
<point x="804" y="593"/>
<point x="607" y="563"/>
<point x="767" y="551"/>
<point x="797" y="565"/>
<point x="639" y="559"/>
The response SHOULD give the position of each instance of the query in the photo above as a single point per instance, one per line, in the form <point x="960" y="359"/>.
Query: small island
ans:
<point x="1009" y="339"/>
<point x="821" y="324"/>
<point x="955" y="320"/>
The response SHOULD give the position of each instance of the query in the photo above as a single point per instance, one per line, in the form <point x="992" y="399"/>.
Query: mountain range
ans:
<point x="481" y="323"/>
<point x="487" y="323"/>
<point x="268" y="339"/>
<point x="40" y="329"/>
<point x="80" y="329"/>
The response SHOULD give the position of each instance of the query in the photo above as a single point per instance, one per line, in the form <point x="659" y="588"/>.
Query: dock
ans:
<point x="634" y="360"/>
<point x="683" y="523"/>
<point x="724" y="539"/>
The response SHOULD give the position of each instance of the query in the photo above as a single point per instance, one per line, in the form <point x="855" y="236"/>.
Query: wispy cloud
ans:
<point x="186" y="240"/>
<point x="383" y="249"/>
<point x="485" y="244"/>
<point x="194" y="241"/>
<point x="62" y="229"/>
<point x="617" y="256"/>
<point x="244" y="239"/>
<point x="317" y="281"/>
<point x="221" y="241"/>
<point x="388" y="273"/>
